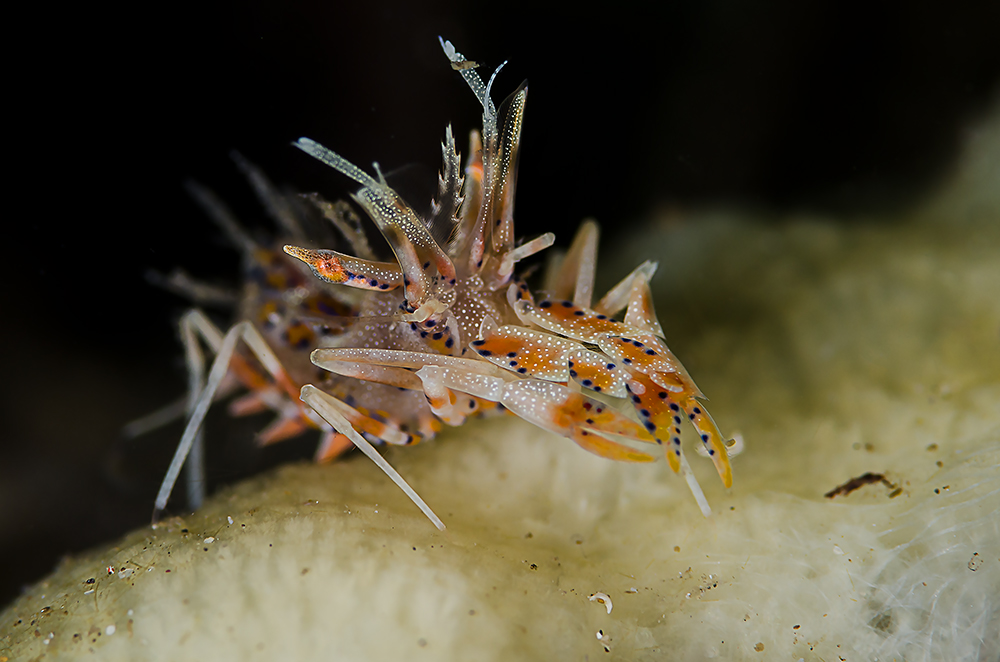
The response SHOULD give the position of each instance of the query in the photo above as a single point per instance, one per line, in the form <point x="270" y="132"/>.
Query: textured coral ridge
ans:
<point x="870" y="348"/>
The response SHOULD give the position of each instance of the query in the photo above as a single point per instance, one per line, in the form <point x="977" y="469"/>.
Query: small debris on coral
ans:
<point x="859" y="482"/>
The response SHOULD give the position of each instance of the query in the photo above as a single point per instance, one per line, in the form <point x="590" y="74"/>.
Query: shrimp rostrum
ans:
<point x="445" y="330"/>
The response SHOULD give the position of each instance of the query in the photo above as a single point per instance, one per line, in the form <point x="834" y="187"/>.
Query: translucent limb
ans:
<point x="640" y="312"/>
<point x="512" y="111"/>
<point x="634" y="294"/>
<point x="181" y="283"/>
<point x="398" y="377"/>
<point x="472" y="195"/>
<point x="643" y="352"/>
<point x="220" y="213"/>
<point x="673" y="391"/>
<point x="403" y="359"/>
<point x="471" y="77"/>
<point x="556" y="408"/>
<point x="695" y="488"/>
<point x="506" y="267"/>
<point x="548" y="405"/>
<point x="331" y="446"/>
<point x="347" y="223"/>
<point x="274" y="201"/>
<point x="325" y="406"/>
<point x="575" y="274"/>
<point x="411" y="242"/>
<point x="195" y="323"/>
<point x="567" y="319"/>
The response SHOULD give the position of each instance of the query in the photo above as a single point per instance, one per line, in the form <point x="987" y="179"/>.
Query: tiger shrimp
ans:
<point x="445" y="330"/>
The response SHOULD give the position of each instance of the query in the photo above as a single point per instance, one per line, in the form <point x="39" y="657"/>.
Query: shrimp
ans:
<point x="374" y="352"/>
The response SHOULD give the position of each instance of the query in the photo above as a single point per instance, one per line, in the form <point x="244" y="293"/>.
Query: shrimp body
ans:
<point x="374" y="352"/>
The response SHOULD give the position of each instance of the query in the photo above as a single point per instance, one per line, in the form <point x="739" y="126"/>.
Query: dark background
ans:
<point x="818" y="107"/>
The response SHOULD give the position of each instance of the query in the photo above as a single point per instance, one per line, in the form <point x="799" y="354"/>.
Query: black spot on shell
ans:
<point x="478" y="343"/>
<point x="511" y="355"/>
<point x="438" y="336"/>
<point x="545" y="304"/>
